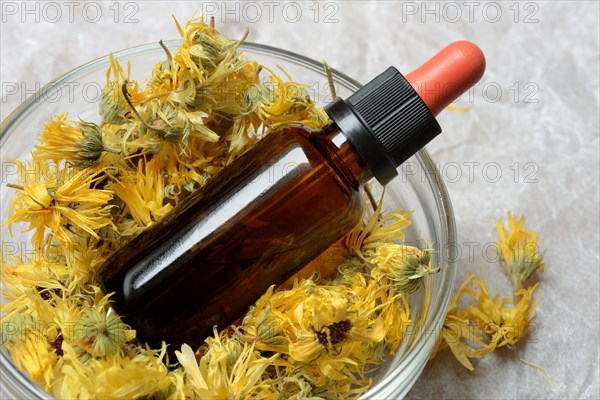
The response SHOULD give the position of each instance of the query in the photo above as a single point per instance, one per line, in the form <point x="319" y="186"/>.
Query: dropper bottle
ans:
<point x="213" y="256"/>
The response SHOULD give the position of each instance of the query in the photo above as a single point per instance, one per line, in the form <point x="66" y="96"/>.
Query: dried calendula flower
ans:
<point x="113" y="108"/>
<point x="61" y="195"/>
<point x="173" y="124"/>
<point x="464" y="338"/>
<point x="375" y="242"/>
<point x="143" y="193"/>
<point x="77" y="142"/>
<point x="117" y="376"/>
<point x="91" y="146"/>
<point x="519" y="255"/>
<point x="331" y="333"/>
<point x="378" y="229"/>
<point x="287" y="102"/>
<point x="219" y="376"/>
<point x="405" y="266"/>
<point x="504" y="325"/>
<point x="102" y="333"/>
<point x="162" y="75"/>
<point x="29" y="348"/>
<point x="487" y="324"/>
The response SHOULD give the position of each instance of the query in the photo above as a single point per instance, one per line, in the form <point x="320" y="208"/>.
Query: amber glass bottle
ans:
<point x="264" y="216"/>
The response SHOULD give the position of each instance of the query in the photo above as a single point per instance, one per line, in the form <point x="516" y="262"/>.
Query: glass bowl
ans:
<point x="78" y="92"/>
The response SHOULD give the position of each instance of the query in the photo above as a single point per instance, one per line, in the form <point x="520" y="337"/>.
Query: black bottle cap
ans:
<point x="386" y="121"/>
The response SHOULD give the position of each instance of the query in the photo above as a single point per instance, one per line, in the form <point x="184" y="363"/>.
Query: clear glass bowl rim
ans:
<point x="17" y="382"/>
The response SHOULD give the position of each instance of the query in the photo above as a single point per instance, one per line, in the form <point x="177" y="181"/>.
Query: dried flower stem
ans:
<point x="155" y="96"/>
<point x="329" y="79"/>
<point x="257" y="74"/>
<point x="13" y="186"/>
<point x="166" y="49"/>
<point x="136" y="113"/>
<point x="371" y="198"/>
<point x="19" y="187"/>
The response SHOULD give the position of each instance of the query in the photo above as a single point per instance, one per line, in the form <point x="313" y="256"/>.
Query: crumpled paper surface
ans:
<point x="529" y="144"/>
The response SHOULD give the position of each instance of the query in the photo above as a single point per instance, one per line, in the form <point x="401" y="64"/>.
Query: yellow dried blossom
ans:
<point x="162" y="75"/>
<point x="29" y="348"/>
<point x="112" y="107"/>
<point x="77" y="142"/>
<point x="286" y="102"/>
<point x="60" y="196"/>
<point x="171" y="123"/>
<point x="332" y="332"/>
<point x="404" y="266"/>
<point x="504" y="325"/>
<point x="184" y="174"/>
<point x="115" y="377"/>
<point x="458" y="334"/>
<point x="375" y="242"/>
<point x="85" y="254"/>
<point x="101" y="333"/>
<point x="143" y="193"/>
<point x="519" y="256"/>
<point x="221" y="374"/>
<point x="378" y="229"/>
<point x="487" y="324"/>
<point x="19" y="276"/>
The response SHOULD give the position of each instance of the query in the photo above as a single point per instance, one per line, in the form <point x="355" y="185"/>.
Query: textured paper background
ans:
<point x="536" y="112"/>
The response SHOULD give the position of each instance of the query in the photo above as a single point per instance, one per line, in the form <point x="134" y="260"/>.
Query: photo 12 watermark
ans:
<point x="452" y="12"/>
<point x="486" y="91"/>
<point x="472" y="171"/>
<point x="468" y="251"/>
<point x="526" y="93"/>
<point x="54" y="92"/>
<point x="325" y="12"/>
<point x="71" y="12"/>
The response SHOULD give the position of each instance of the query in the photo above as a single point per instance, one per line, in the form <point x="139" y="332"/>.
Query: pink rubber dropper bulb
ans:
<point x="448" y="74"/>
